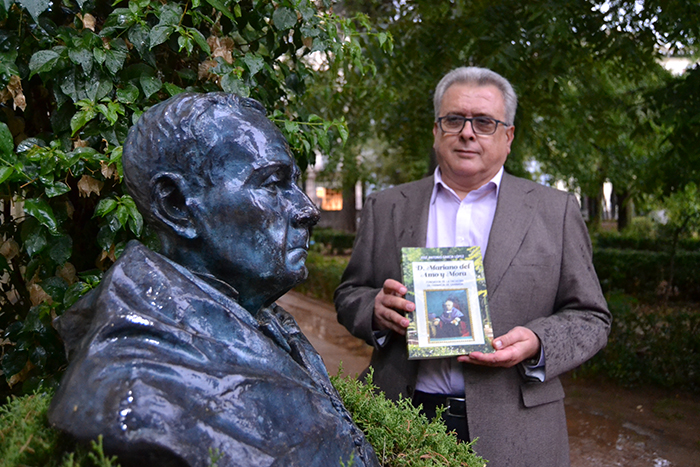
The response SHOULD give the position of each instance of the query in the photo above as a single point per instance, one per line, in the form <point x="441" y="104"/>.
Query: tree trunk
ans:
<point x="625" y="209"/>
<point x="349" y="213"/>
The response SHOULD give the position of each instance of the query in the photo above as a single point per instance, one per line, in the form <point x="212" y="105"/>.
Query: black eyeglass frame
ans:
<point x="471" y="122"/>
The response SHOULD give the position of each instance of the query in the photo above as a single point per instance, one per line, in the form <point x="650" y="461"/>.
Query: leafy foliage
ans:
<point x="28" y="439"/>
<point x="74" y="76"/>
<point x="650" y="345"/>
<point x="400" y="435"/>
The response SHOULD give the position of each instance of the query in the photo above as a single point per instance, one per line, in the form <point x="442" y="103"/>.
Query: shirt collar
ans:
<point x="494" y="183"/>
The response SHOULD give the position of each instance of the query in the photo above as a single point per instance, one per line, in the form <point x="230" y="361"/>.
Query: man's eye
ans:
<point x="272" y="181"/>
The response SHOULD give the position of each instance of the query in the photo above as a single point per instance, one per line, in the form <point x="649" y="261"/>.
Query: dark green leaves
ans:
<point x="42" y="212"/>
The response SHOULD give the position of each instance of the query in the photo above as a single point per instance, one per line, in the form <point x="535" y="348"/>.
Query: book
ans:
<point x="448" y="287"/>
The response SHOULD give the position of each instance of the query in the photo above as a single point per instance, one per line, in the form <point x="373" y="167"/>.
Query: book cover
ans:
<point x="449" y="289"/>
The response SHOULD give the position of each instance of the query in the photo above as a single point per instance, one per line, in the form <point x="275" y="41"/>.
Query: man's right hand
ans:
<point x="390" y="307"/>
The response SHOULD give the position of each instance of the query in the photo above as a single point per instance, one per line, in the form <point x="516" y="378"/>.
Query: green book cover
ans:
<point x="449" y="289"/>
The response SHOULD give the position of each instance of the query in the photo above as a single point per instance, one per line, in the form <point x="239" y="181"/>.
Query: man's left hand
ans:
<point x="517" y="345"/>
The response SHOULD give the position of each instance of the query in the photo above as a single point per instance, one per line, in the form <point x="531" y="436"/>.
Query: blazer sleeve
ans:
<point x="362" y="279"/>
<point x="580" y="323"/>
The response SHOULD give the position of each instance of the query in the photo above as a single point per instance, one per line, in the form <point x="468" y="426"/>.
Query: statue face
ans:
<point x="254" y="222"/>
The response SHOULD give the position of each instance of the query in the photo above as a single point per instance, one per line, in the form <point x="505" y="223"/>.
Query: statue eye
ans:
<point x="273" y="180"/>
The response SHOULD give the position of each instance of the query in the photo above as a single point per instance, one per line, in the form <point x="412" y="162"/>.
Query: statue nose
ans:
<point x="307" y="216"/>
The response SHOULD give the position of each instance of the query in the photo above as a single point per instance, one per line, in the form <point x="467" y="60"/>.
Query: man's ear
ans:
<point x="169" y="195"/>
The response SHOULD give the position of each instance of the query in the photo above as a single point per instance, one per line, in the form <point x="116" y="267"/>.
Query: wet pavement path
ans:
<point x="608" y="426"/>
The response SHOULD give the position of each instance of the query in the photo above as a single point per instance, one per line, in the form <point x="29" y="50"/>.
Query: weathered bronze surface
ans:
<point x="182" y="357"/>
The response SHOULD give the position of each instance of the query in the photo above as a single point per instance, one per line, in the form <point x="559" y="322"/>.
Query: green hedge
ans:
<point x="640" y="242"/>
<point x="643" y="273"/>
<point x="650" y="345"/>
<point x="333" y="241"/>
<point x="324" y="275"/>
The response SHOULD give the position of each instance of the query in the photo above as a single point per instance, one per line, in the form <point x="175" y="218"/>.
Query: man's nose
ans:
<point x="468" y="131"/>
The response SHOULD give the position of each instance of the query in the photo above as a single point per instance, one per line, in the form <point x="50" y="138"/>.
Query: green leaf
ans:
<point x="33" y="236"/>
<point x="200" y="40"/>
<point x="7" y="145"/>
<point x="82" y="57"/>
<point x="150" y="85"/>
<point x="231" y="83"/>
<point x="41" y="211"/>
<point x="5" y="173"/>
<point x="172" y="89"/>
<point x="80" y="119"/>
<point x="226" y="11"/>
<point x="160" y="34"/>
<point x="128" y="95"/>
<point x="122" y="215"/>
<point x="74" y="293"/>
<point x="104" y="207"/>
<point x="14" y="361"/>
<point x="114" y="60"/>
<point x="284" y="18"/>
<point x="254" y="63"/>
<point x="136" y="222"/>
<point x="42" y="61"/>
<point x="35" y="7"/>
<point x="61" y="249"/>
<point x="56" y="189"/>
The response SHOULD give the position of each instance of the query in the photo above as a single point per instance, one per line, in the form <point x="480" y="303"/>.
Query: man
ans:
<point x="544" y="297"/>
<point x="183" y="358"/>
<point x="449" y="323"/>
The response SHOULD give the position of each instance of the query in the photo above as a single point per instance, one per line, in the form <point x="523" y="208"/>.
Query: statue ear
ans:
<point x="169" y="195"/>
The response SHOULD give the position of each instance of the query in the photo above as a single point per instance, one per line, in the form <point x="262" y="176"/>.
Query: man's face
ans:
<point x="468" y="161"/>
<point x="254" y="221"/>
<point x="448" y="306"/>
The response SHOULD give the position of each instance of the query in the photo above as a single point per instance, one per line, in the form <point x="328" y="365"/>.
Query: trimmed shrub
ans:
<point x="333" y="241"/>
<point x="650" y="345"/>
<point x="324" y="275"/>
<point x="645" y="274"/>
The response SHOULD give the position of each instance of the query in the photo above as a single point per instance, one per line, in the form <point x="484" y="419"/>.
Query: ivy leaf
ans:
<point x="226" y="11"/>
<point x="254" y="63"/>
<point x="39" y="209"/>
<point x="7" y="144"/>
<point x="284" y="18"/>
<point x="33" y="236"/>
<point x="56" y="189"/>
<point x="150" y="85"/>
<point x="74" y="293"/>
<point x="173" y="89"/>
<point x="42" y="61"/>
<point x="200" y="40"/>
<point x="114" y="60"/>
<point x="35" y="7"/>
<point x="80" y="119"/>
<point x="61" y="249"/>
<point x="122" y="215"/>
<point x="82" y="57"/>
<point x="160" y="34"/>
<point x="5" y="173"/>
<point x="14" y="361"/>
<point x="231" y="83"/>
<point x="104" y="207"/>
<point x="128" y="95"/>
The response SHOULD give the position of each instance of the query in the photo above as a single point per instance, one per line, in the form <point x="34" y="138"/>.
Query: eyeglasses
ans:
<point x="453" y="124"/>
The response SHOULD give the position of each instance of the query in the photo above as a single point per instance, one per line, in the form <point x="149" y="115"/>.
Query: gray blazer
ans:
<point x="539" y="274"/>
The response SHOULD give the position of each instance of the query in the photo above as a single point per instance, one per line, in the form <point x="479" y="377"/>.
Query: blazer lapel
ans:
<point x="516" y="203"/>
<point x="410" y="213"/>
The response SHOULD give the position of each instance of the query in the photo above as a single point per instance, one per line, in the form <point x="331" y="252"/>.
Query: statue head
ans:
<point x="215" y="178"/>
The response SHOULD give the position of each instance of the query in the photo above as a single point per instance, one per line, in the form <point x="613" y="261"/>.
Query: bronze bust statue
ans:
<point x="181" y="357"/>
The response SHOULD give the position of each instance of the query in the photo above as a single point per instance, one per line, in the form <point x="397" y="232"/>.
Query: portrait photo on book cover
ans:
<point x="448" y="316"/>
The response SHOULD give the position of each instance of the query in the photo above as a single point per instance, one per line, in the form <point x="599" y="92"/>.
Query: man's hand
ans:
<point x="517" y="345"/>
<point x="390" y="306"/>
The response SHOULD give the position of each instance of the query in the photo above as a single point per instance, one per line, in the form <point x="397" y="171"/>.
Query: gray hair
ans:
<point x="479" y="77"/>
